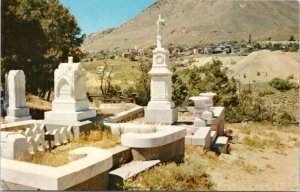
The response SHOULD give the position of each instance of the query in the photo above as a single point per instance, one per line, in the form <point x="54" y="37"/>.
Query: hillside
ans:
<point x="264" y="65"/>
<point x="190" y="22"/>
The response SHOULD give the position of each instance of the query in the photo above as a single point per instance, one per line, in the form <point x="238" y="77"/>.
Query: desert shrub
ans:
<point x="284" y="117"/>
<point x="292" y="38"/>
<point x="292" y="47"/>
<point x="248" y="108"/>
<point x="282" y="84"/>
<point x="211" y="77"/>
<point x="191" y="61"/>
<point x="265" y="92"/>
<point x="276" y="46"/>
<point x="232" y="115"/>
<point x="132" y="58"/>
<point x="257" y="46"/>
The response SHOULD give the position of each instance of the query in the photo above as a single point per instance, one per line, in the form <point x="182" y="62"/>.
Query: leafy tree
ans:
<point x="142" y="88"/>
<point x="36" y="36"/>
<point x="210" y="77"/>
<point x="105" y="73"/>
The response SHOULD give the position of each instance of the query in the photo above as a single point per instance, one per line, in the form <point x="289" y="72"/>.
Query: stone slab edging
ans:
<point x="156" y="139"/>
<point x="17" y="124"/>
<point x="124" y="115"/>
<point x="95" y="162"/>
<point x="217" y="111"/>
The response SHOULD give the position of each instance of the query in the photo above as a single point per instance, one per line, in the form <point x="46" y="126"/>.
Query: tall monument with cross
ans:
<point x="161" y="108"/>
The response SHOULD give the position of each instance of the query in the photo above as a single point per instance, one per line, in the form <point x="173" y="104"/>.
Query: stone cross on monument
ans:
<point x="160" y="23"/>
<point x="70" y="60"/>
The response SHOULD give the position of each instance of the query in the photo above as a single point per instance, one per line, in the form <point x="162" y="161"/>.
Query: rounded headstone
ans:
<point x="207" y="115"/>
<point x="199" y="122"/>
<point x="200" y="102"/>
<point x="208" y="94"/>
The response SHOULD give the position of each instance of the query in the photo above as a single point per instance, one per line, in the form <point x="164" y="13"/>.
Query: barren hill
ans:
<point x="190" y="22"/>
<point x="264" y="65"/>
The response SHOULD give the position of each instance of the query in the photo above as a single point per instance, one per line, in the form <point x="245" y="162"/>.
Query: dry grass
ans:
<point x="59" y="156"/>
<point x="52" y="158"/>
<point x="263" y="127"/>
<point x="124" y="73"/>
<point x="35" y="102"/>
<point x="256" y="142"/>
<point x="190" y="175"/>
<point x="270" y="166"/>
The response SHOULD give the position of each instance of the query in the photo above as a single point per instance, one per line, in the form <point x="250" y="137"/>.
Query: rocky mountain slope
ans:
<point x="189" y="22"/>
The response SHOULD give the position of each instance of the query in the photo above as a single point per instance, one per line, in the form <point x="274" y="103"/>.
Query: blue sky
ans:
<point x="96" y="15"/>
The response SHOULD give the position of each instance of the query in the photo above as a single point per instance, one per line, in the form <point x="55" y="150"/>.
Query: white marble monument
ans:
<point x="17" y="109"/>
<point x="161" y="108"/>
<point x="70" y="101"/>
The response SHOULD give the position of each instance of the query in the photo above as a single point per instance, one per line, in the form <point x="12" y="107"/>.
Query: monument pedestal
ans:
<point x="11" y="119"/>
<point x="78" y="126"/>
<point x="165" y="116"/>
<point x="70" y="116"/>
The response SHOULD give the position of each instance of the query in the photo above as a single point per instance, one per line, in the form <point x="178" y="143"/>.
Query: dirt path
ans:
<point x="255" y="168"/>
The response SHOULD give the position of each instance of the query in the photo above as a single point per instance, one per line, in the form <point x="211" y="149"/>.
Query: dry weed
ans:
<point x="270" y="166"/>
<point x="59" y="156"/>
<point x="189" y="175"/>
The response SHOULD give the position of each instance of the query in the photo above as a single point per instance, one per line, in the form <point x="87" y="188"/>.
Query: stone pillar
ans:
<point x="17" y="109"/>
<point x="70" y="101"/>
<point x="161" y="108"/>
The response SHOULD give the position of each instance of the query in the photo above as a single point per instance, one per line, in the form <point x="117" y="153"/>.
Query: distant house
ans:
<point x="208" y="50"/>
<point x="134" y="52"/>
<point x="176" y="51"/>
<point x="126" y="54"/>
<point x="197" y="51"/>
<point x="130" y="53"/>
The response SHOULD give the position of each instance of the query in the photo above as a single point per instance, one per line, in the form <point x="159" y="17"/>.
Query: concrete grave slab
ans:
<point x="221" y="144"/>
<point x="13" y="144"/>
<point x="156" y="139"/>
<point x="32" y="176"/>
<point x="124" y="115"/>
<point x="202" y="137"/>
<point x="131" y="169"/>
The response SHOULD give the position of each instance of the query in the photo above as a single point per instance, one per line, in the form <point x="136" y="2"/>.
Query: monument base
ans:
<point x="70" y="116"/>
<point x="11" y="119"/>
<point x="164" y="116"/>
<point x="17" y="112"/>
<point x="78" y="126"/>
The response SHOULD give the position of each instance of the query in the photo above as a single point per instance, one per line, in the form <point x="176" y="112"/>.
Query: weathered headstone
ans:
<point x="70" y="101"/>
<point x="161" y="108"/>
<point x="17" y="109"/>
<point x="12" y="144"/>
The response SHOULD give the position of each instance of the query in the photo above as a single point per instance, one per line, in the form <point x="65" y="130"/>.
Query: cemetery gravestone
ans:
<point x="17" y="109"/>
<point x="70" y="102"/>
<point x="161" y="108"/>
